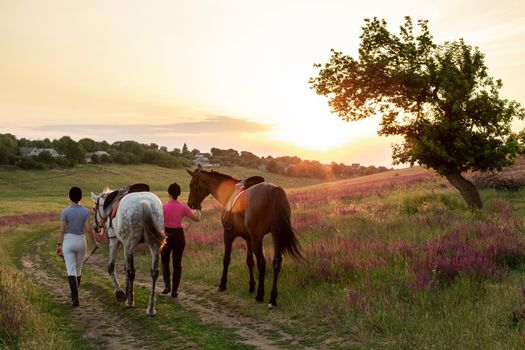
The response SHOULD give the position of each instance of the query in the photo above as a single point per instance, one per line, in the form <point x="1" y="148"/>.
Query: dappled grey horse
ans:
<point x="139" y="218"/>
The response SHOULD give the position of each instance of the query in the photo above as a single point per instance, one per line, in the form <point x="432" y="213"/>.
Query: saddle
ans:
<point x="239" y="189"/>
<point x="116" y="197"/>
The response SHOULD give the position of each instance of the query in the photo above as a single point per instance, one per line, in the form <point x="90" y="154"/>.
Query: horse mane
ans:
<point x="219" y="175"/>
<point x="105" y="191"/>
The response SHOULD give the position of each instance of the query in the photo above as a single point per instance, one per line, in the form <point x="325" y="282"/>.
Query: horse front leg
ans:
<point x="277" y="261"/>
<point x="250" y="263"/>
<point x="130" y="277"/>
<point x="261" y="267"/>
<point x="113" y="248"/>
<point x="154" y="275"/>
<point x="228" y="241"/>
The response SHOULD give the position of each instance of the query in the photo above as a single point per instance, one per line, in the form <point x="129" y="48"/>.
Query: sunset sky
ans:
<point x="226" y="74"/>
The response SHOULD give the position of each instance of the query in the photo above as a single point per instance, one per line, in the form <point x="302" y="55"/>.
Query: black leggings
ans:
<point x="175" y="242"/>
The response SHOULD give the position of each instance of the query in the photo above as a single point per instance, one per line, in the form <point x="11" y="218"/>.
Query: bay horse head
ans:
<point x="204" y="183"/>
<point x="198" y="189"/>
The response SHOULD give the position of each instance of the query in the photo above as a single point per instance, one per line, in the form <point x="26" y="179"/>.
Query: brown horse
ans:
<point x="260" y="209"/>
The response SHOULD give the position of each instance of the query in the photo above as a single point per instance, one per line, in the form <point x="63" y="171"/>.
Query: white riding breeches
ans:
<point x="74" y="250"/>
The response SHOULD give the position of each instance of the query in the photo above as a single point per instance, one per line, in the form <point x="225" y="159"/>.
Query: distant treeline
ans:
<point x="70" y="153"/>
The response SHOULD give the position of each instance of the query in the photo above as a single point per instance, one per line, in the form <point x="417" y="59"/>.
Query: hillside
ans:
<point x="24" y="191"/>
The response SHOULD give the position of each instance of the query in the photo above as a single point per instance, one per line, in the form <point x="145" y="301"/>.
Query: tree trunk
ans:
<point x="468" y="191"/>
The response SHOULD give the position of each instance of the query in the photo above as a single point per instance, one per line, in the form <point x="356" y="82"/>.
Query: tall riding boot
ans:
<point x="177" y="272"/>
<point x="78" y="281"/>
<point x="74" y="289"/>
<point x="166" y="277"/>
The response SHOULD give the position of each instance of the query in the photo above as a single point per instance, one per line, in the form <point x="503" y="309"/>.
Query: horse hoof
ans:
<point x="120" y="295"/>
<point x="130" y="304"/>
<point x="221" y="289"/>
<point x="271" y="306"/>
<point x="151" y="312"/>
<point x="259" y="299"/>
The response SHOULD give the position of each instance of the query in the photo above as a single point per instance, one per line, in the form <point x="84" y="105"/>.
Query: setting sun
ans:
<point x="315" y="137"/>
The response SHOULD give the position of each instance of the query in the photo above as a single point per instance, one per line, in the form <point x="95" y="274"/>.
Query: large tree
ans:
<point x="439" y="98"/>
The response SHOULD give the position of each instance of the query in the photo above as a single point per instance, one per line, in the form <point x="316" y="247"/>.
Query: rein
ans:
<point x="89" y="256"/>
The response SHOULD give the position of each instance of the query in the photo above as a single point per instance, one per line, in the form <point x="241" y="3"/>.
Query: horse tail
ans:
<point x="153" y="235"/>
<point x="284" y="236"/>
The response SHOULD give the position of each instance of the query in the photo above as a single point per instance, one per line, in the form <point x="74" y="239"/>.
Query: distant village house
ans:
<point x="34" y="151"/>
<point x="203" y="161"/>
<point x="99" y="154"/>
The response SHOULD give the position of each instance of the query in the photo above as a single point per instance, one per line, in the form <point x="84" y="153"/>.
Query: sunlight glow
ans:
<point x="226" y="74"/>
<point x="313" y="136"/>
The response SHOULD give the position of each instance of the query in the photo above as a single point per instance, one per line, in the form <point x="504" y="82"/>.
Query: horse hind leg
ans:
<point x="261" y="267"/>
<point x="113" y="247"/>
<point x="250" y="263"/>
<point x="154" y="275"/>
<point x="277" y="261"/>
<point x="130" y="277"/>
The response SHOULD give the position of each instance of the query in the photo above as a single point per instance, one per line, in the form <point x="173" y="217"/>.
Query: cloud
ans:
<point x="212" y="125"/>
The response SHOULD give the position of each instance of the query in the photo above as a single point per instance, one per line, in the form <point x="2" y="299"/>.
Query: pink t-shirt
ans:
<point x="174" y="211"/>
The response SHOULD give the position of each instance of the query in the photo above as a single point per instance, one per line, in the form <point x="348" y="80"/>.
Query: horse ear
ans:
<point x="190" y="172"/>
<point x="94" y="197"/>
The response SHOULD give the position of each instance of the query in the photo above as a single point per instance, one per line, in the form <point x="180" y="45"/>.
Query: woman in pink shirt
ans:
<point x="174" y="212"/>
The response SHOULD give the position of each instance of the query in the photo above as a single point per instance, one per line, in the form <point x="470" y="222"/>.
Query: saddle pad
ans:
<point x="109" y="199"/>
<point x="114" y="209"/>
<point x="233" y="199"/>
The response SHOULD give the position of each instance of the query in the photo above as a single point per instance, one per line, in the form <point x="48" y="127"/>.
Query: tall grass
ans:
<point x="28" y="317"/>
<point x="393" y="263"/>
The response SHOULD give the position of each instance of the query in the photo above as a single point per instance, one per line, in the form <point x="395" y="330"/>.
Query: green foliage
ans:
<point x="163" y="159"/>
<point x="413" y="204"/>
<point x="27" y="163"/>
<point x="8" y="148"/>
<point x="224" y="157"/>
<point x="132" y="149"/>
<point x="72" y="150"/>
<point x="89" y="145"/>
<point x="45" y="157"/>
<point x="439" y="98"/>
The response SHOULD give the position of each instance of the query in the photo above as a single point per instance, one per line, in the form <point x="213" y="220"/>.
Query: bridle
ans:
<point x="197" y="193"/>
<point x="98" y="225"/>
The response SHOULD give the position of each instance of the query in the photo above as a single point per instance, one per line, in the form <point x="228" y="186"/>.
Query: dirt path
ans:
<point x="102" y="327"/>
<point x="106" y="329"/>
<point x="196" y="298"/>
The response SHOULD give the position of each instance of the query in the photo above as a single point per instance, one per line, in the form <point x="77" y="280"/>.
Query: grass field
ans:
<point x="44" y="191"/>
<point x="395" y="260"/>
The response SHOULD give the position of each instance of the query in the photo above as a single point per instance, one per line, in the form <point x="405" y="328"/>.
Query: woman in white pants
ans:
<point x="72" y="240"/>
